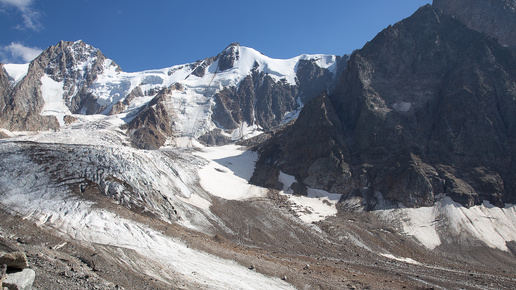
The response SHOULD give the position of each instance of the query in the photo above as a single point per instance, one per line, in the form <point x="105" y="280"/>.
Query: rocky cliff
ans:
<point x="425" y="108"/>
<point x="24" y="102"/>
<point x="496" y="18"/>
<point x="77" y="65"/>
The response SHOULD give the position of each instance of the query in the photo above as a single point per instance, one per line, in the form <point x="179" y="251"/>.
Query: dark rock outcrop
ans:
<point x="214" y="138"/>
<point x="259" y="99"/>
<point x="496" y="18"/>
<point x="427" y="107"/>
<point x="14" y="260"/>
<point x="154" y="124"/>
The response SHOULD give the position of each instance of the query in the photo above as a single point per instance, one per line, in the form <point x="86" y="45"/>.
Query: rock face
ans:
<point x="260" y="99"/>
<point x="24" y="102"/>
<point x="77" y="65"/>
<point x="496" y="18"/>
<point x="5" y="86"/>
<point x="427" y="107"/>
<point x="154" y="124"/>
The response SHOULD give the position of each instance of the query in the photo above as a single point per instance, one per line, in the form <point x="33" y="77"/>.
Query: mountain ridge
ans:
<point x="76" y="78"/>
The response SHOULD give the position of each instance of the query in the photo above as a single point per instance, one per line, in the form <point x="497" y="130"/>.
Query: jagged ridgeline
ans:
<point x="425" y="108"/>
<point x="220" y="98"/>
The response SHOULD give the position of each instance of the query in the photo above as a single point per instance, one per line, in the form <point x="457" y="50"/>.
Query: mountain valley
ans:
<point x="390" y="168"/>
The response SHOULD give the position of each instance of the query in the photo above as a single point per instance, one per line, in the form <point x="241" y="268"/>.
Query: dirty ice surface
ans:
<point x="170" y="258"/>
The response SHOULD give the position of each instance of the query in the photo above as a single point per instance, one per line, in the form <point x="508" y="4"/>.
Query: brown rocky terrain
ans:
<point x="308" y="260"/>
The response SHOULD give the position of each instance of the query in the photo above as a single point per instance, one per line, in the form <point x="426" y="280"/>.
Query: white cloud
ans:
<point x="18" y="53"/>
<point x="29" y="15"/>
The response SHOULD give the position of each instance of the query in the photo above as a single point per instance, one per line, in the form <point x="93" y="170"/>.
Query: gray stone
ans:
<point x="20" y="280"/>
<point x="15" y="260"/>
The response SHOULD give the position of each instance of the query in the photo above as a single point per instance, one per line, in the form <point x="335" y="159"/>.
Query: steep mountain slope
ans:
<point x="496" y="18"/>
<point x="5" y="86"/>
<point x="427" y="107"/>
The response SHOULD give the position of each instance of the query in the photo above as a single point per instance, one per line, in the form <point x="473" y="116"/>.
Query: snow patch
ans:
<point x="16" y="71"/>
<point x="228" y="172"/>
<point x="52" y="93"/>
<point x="431" y="226"/>
<point x="316" y="206"/>
<point x="405" y="260"/>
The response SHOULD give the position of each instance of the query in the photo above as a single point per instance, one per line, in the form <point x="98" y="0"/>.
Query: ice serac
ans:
<point x="427" y="107"/>
<point x="496" y="18"/>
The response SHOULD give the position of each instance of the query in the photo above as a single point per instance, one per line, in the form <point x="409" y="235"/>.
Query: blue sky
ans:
<point x="151" y="34"/>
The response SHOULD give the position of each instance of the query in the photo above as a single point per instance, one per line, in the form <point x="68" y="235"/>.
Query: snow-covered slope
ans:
<point x="448" y="222"/>
<point x="16" y="72"/>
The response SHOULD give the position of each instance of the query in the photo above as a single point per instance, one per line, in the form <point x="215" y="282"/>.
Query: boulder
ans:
<point x="22" y="280"/>
<point x="15" y="260"/>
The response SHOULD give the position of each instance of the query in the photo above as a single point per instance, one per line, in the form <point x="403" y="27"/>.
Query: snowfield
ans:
<point x="316" y="206"/>
<point x="16" y="71"/>
<point x="450" y="222"/>
<point x="228" y="173"/>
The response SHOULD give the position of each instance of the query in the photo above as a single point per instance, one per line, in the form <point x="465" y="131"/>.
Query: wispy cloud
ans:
<point x="29" y="15"/>
<point x="18" y="53"/>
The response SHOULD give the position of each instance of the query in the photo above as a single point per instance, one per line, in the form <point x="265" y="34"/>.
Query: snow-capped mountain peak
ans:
<point x="238" y="88"/>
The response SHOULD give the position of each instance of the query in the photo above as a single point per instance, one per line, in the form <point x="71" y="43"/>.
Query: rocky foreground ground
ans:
<point x="324" y="260"/>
